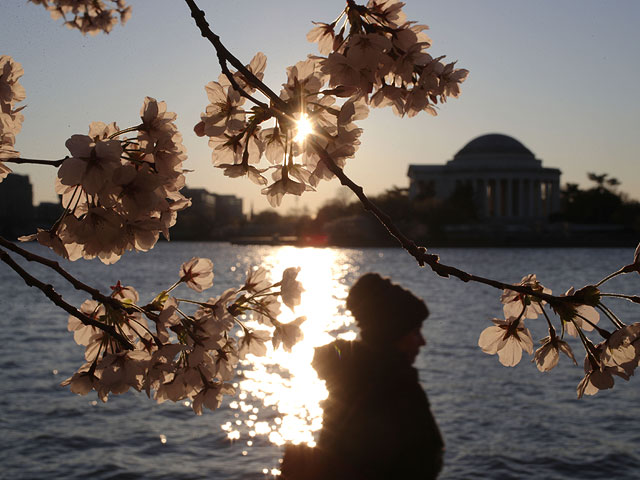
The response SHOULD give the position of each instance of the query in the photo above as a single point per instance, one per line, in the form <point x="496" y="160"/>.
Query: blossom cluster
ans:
<point x="376" y="59"/>
<point x="378" y="54"/>
<point x="178" y="356"/>
<point x="88" y="16"/>
<point x="617" y="354"/>
<point x="119" y="193"/>
<point x="11" y="92"/>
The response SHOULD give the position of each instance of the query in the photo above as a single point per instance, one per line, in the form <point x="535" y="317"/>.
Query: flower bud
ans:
<point x="589" y="295"/>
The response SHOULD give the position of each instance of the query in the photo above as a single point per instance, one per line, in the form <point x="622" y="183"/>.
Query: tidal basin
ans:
<point x="498" y="422"/>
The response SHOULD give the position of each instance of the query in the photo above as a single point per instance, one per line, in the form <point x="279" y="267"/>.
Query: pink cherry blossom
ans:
<point x="92" y="163"/>
<point x="253" y="342"/>
<point x="167" y="318"/>
<point x="158" y="124"/>
<point x="197" y="273"/>
<point x="275" y="144"/>
<point x="87" y="334"/>
<point x="323" y="35"/>
<point x="283" y="185"/>
<point x="11" y="92"/>
<point x="389" y="10"/>
<point x="48" y="239"/>
<point x="516" y="304"/>
<point x="241" y="170"/>
<point x="622" y="349"/>
<point x="81" y="382"/>
<point x="223" y="113"/>
<point x="507" y="338"/>
<point x="288" y="334"/>
<point x="594" y="381"/>
<point x="267" y="309"/>
<point x="618" y="355"/>
<point x="547" y="356"/>
<point x="88" y="16"/>
<point x="211" y="396"/>
<point x="126" y="294"/>
<point x="580" y="316"/>
<point x="290" y="288"/>
<point x="257" y="66"/>
<point x="228" y="149"/>
<point x="226" y="360"/>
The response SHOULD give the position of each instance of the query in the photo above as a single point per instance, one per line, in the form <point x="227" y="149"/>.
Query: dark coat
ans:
<point x="377" y="423"/>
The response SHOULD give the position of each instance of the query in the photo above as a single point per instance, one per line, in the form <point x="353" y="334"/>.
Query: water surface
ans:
<point x="498" y="422"/>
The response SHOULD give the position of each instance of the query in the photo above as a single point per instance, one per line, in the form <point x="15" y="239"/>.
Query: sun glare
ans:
<point x="303" y="128"/>
<point x="285" y="382"/>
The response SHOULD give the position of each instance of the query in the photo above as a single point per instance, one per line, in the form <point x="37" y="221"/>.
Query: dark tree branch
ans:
<point x="33" y="161"/>
<point x="225" y="56"/>
<point x="57" y="299"/>
<point x="419" y="253"/>
<point x="77" y="284"/>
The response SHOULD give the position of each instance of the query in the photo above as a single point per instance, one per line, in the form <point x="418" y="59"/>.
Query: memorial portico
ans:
<point x="508" y="182"/>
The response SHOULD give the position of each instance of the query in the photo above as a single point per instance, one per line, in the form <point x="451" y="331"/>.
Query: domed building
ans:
<point x="507" y="182"/>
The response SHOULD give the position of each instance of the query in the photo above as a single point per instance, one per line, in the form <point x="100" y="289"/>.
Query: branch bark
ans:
<point x="77" y="284"/>
<point x="225" y="56"/>
<point x="57" y="299"/>
<point x="419" y="253"/>
<point x="33" y="161"/>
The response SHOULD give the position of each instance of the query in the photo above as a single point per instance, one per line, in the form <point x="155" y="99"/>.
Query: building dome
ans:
<point x="503" y="177"/>
<point x="494" y="144"/>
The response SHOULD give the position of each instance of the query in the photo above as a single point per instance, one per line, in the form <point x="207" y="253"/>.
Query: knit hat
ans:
<point x="384" y="311"/>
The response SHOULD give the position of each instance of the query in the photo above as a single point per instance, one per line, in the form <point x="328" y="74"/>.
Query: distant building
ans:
<point x="16" y="205"/>
<point x="203" y="203"/>
<point x="208" y="216"/>
<point x="506" y="181"/>
<point x="47" y="213"/>
<point x="228" y="209"/>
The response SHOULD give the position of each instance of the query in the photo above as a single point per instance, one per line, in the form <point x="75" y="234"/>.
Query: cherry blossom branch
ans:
<point x="225" y="56"/>
<point x="81" y="286"/>
<point x="57" y="299"/>
<point x="631" y="298"/>
<point x="77" y="284"/>
<point x="33" y="161"/>
<point x="419" y="253"/>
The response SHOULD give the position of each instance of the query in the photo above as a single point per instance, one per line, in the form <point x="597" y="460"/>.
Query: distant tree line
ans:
<point x="600" y="204"/>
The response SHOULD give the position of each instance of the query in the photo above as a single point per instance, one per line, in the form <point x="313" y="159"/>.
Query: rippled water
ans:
<point x="498" y="423"/>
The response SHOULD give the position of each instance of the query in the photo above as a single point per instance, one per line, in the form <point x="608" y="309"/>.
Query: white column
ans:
<point x="516" y="205"/>
<point x="555" y="196"/>
<point x="480" y="195"/>
<point x="547" y="198"/>
<point x="537" y="198"/>
<point x="509" y="198"/>
<point x="497" y="197"/>
<point x="520" y="198"/>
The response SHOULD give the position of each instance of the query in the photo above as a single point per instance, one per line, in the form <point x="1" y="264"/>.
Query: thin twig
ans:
<point x="610" y="276"/>
<point x="57" y="299"/>
<point x="77" y="284"/>
<point x="53" y="163"/>
<point x="419" y="253"/>
<point x="631" y="298"/>
<point x="225" y="56"/>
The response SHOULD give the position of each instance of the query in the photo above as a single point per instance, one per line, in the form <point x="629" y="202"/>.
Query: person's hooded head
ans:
<point x="383" y="310"/>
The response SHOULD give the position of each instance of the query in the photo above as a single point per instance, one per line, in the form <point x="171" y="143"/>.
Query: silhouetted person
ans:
<point x="377" y="422"/>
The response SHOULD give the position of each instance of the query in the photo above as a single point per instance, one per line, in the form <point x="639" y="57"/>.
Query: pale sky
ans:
<point x="559" y="76"/>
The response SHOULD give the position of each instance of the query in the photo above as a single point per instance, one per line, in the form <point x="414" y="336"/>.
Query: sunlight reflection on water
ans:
<point x="279" y="394"/>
